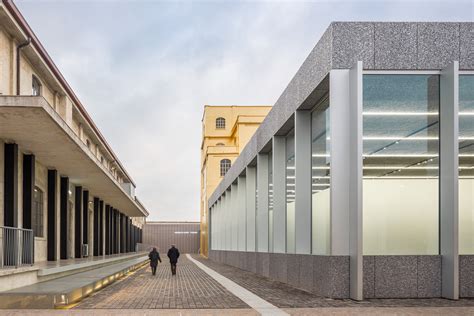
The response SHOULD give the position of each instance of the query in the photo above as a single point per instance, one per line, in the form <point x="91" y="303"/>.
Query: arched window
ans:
<point x="35" y="86"/>
<point x="225" y="166"/>
<point x="220" y="123"/>
<point x="37" y="214"/>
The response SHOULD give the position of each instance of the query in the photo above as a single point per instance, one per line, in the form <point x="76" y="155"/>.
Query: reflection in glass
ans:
<point x="320" y="150"/>
<point x="290" y="192"/>
<point x="400" y="164"/>
<point x="270" y="201"/>
<point x="466" y="164"/>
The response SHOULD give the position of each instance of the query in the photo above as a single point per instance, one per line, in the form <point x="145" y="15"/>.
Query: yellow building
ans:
<point x="225" y="132"/>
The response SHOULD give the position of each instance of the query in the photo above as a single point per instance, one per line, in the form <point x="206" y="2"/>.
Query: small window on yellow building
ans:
<point x="225" y="166"/>
<point x="220" y="123"/>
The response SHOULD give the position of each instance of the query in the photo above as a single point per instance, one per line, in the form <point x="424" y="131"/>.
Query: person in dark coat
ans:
<point x="173" y="254"/>
<point x="154" y="258"/>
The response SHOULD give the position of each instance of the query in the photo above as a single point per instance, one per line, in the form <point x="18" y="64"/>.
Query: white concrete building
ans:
<point x="63" y="192"/>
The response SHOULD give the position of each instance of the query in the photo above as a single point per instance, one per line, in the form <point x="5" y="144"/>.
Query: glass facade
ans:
<point x="290" y="192"/>
<point x="270" y="201"/>
<point x="400" y="195"/>
<point x="321" y="185"/>
<point x="466" y="164"/>
<point x="400" y="164"/>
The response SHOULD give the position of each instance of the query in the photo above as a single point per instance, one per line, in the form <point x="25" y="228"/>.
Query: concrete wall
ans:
<point x="325" y="276"/>
<point x="185" y="236"/>
<point x="328" y="276"/>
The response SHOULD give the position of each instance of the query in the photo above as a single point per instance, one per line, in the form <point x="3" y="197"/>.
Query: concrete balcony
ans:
<point x="32" y="123"/>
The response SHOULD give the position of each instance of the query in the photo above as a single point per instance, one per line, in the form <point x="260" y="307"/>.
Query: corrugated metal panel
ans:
<point x="184" y="235"/>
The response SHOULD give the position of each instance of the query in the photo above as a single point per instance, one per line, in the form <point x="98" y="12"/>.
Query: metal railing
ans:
<point x="16" y="247"/>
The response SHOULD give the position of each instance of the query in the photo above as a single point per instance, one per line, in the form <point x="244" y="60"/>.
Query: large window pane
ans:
<point x="290" y="192"/>
<point x="270" y="202"/>
<point x="400" y="166"/>
<point x="320" y="150"/>
<point x="466" y="164"/>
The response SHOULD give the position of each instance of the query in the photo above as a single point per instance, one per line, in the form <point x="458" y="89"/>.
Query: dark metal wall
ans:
<point x="184" y="235"/>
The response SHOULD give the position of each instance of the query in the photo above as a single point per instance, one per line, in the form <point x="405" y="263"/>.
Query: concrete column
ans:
<point x="235" y="216"/>
<point x="10" y="198"/>
<point x="28" y="189"/>
<point x="219" y="228"/>
<point x="127" y="235"/>
<point x="242" y="214"/>
<point x="52" y="214"/>
<point x="303" y="173"/>
<point x="85" y="219"/>
<point x="227" y="220"/>
<point x="78" y="221"/>
<point x="64" y="217"/>
<point x="122" y="233"/>
<point x="355" y="182"/>
<point x="279" y="194"/>
<point x="449" y="180"/>
<point x="96" y="226"/>
<point x="101" y="228"/>
<point x="250" y="207"/>
<point x="262" y="203"/>
<point x="107" y="229"/>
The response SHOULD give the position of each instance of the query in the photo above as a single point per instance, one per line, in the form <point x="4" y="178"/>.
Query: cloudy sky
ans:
<point x="145" y="69"/>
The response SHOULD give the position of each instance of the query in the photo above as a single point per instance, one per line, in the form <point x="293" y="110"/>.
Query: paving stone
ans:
<point x="190" y="288"/>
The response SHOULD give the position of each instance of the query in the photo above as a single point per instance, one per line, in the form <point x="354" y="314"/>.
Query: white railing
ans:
<point x="16" y="247"/>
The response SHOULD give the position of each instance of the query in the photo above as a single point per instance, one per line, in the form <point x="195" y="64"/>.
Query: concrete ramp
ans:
<point x="68" y="289"/>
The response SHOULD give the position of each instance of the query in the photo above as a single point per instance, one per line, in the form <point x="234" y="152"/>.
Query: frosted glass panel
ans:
<point x="466" y="164"/>
<point x="290" y="192"/>
<point x="270" y="202"/>
<point x="398" y="216"/>
<point x="320" y="187"/>
<point x="400" y="164"/>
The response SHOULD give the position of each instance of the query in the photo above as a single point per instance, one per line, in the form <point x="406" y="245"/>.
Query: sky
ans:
<point x="145" y="69"/>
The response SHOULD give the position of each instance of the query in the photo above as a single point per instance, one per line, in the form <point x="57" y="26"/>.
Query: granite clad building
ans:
<point x="359" y="182"/>
<point x="63" y="192"/>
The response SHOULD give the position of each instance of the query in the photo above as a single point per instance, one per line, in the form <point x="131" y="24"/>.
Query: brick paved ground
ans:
<point x="193" y="292"/>
<point x="190" y="288"/>
<point x="321" y="311"/>
<point x="285" y="296"/>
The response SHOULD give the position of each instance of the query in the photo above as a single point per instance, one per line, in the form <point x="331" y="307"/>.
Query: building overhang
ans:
<point x="34" y="125"/>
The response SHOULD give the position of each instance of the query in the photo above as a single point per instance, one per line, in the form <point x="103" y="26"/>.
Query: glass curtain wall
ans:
<point x="466" y="164"/>
<point x="270" y="201"/>
<point x="321" y="185"/>
<point x="290" y="192"/>
<point x="400" y="164"/>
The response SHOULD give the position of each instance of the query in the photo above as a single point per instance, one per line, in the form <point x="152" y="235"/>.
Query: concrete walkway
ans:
<point x="191" y="288"/>
<point x="195" y="292"/>
<point x="68" y="289"/>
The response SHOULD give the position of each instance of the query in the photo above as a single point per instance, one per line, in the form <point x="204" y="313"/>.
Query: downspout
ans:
<point x="18" y="57"/>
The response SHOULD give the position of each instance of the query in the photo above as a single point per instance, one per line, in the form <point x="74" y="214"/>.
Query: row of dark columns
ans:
<point x="113" y="231"/>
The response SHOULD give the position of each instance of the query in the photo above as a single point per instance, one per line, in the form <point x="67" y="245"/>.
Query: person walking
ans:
<point x="154" y="258"/>
<point x="173" y="254"/>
